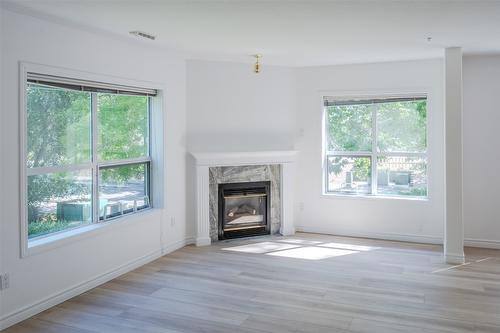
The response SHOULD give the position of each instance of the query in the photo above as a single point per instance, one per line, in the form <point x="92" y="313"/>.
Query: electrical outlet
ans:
<point x="172" y="221"/>
<point x="4" y="281"/>
<point x="301" y="206"/>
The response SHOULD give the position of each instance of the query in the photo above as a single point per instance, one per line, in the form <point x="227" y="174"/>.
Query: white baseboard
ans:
<point x="288" y="231"/>
<point x="471" y="242"/>
<point x="483" y="243"/>
<point x="203" y="241"/>
<point x="454" y="259"/>
<point x="374" y="235"/>
<point x="177" y="245"/>
<point x="35" y="308"/>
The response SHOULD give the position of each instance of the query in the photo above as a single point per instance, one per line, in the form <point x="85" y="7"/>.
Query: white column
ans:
<point x="202" y="206"/>
<point x="287" y="190"/>
<point x="454" y="228"/>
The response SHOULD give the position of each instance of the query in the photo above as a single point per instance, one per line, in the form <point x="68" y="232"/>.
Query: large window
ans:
<point x="87" y="153"/>
<point x="376" y="146"/>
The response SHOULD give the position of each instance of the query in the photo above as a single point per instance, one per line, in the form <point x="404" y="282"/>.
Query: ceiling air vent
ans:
<point x="143" y="35"/>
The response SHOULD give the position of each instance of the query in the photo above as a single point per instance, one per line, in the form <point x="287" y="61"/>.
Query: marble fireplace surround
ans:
<point x="285" y="159"/>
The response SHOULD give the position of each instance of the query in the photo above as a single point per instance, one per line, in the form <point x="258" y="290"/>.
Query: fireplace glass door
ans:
<point x="243" y="209"/>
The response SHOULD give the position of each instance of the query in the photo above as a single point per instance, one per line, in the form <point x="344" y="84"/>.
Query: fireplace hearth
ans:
<point x="244" y="209"/>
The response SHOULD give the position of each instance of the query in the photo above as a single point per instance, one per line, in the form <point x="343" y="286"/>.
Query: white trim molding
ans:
<point x="373" y="235"/>
<point x="245" y="158"/>
<point x="203" y="161"/>
<point x="202" y="206"/>
<point x="482" y="243"/>
<point x="37" y="307"/>
<point x="454" y="258"/>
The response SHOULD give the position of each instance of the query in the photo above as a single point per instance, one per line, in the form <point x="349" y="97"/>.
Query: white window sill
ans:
<point x="372" y="197"/>
<point x="42" y="244"/>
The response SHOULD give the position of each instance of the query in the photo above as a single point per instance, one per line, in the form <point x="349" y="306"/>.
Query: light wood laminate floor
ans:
<point x="304" y="283"/>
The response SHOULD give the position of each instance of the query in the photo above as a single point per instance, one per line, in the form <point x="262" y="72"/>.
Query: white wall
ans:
<point x="230" y="108"/>
<point x="44" y="276"/>
<point x="370" y="217"/>
<point x="481" y="156"/>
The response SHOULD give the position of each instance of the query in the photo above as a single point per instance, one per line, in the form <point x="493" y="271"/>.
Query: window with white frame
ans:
<point x="87" y="152"/>
<point x="376" y="146"/>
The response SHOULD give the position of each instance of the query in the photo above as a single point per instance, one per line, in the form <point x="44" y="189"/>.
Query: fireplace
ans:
<point x="244" y="209"/>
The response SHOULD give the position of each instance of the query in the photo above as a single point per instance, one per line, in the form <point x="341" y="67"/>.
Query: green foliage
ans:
<point x="401" y="126"/>
<point x="58" y="133"/>
<point x="336" y="164"/>
<point x="350" y="127"/>
<point x="122" y="174"/>
<point x="58" y="126"/>
<point x="123" y="133"/>
<point x="414" y="192"/>
<point x="123" y="126"/>
<point x="361" y="168"/>
<point x="48" y="225"/>
<point x="42" y="188"/>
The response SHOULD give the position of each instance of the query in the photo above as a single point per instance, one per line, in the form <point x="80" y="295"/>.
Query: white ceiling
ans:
<point x="292" y="33"/>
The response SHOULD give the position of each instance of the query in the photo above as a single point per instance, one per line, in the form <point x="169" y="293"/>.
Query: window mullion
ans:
<point x="348" y="153"/>
<point x="148" y="142"/>
<point x="128" y="161"/>
<point x="95" y="169"/>
<point x="374" y="151"/>
<point x="405" y="154"/>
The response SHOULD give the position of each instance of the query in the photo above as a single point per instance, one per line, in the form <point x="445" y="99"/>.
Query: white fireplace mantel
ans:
<point x="203" y="161"/>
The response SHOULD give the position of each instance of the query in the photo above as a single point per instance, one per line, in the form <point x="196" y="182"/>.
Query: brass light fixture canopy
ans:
<point x="257" y="63"/>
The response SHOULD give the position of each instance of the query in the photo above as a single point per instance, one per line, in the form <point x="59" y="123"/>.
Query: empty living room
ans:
<point x="249" y="166"/>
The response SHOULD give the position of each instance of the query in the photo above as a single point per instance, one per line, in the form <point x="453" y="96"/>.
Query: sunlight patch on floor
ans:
<point x="311" y="253"/>
<point x="301" y="249"/>
<point x="299" y="241"/>
<point x="263" y="247"/>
